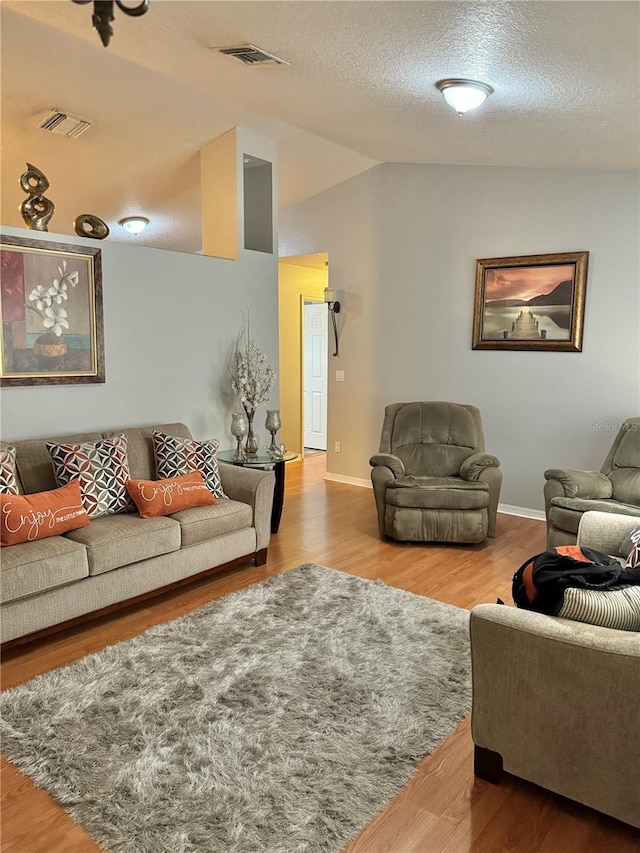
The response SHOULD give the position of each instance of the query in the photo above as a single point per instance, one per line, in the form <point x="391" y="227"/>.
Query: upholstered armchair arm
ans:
<point x="485" y="468"/>
<point x="251" y="486"/>
<point x="570" y="483"/>
<point x="385" y="467"/>
<point x="606" y="531"/>
<point x="474" y="465"/>
<point x="591" y="485"/>
<point x="388" y="460"/>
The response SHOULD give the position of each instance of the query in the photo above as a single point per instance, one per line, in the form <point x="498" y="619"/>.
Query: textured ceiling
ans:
<point x="359" y="90"/>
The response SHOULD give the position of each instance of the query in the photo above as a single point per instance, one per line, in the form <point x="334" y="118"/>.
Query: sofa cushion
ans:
<point x="437" y="493"/>
<point x="142" y="460"/>
<point x="102" y="469"/>
<point x="627" y="454"/>
<point x="206" y="522"/>
<point x="434" y="436"/>
<point x="626" y="485"/>
<point x="34" y="460"/>
<point x="34" y="567"/>
<point x="164" y="497"/>
<point x="118" y="540"/>
<point x="176" y="456"/>
<point x="8" y="470"/>
<point x="25" y="518"/>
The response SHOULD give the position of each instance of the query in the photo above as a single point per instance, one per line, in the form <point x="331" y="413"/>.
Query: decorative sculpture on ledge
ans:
<point x="88" y="225"/>
<point x="103" y="15"/>
<point x="36" y="210"/>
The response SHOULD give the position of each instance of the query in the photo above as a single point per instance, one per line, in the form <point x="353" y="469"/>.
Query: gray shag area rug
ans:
<point x="279" y="719"/>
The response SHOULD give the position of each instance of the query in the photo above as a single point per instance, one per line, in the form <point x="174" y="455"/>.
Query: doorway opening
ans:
<point x="303" y="343"/>
<point x="314" y="360"/>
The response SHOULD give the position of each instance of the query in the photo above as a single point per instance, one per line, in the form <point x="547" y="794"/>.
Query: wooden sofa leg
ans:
<point x="487" y="764"/>
<point x="261" y="556"/>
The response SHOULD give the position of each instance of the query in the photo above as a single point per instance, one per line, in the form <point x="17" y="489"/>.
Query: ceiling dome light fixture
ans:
<point x="134" y="224"/>
<point x="464" y="95"/>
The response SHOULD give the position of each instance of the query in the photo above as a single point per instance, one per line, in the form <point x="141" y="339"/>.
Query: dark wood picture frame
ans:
<point x="530" y="302"/>
<point x="51" y="309"/>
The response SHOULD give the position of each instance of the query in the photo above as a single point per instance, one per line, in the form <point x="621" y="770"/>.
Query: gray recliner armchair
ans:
<point x="432" y="480"/>
<point x="568" y="493"/>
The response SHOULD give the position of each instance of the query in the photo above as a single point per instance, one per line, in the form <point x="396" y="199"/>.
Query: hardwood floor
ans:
<point x="444" y="809"/>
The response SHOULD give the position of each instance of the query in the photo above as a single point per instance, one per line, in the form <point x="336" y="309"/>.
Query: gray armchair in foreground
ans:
<point x="614" y="488"/>
<point x="432" y="480"/>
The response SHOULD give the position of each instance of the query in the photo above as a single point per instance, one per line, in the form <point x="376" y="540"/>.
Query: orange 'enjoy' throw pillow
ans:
<point x="25" y="518"/>
<point x="163" y="497"/>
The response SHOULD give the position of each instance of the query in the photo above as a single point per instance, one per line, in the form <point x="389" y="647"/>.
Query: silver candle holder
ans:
<point x="239" y="429"/>
<point x="273" y="424"/>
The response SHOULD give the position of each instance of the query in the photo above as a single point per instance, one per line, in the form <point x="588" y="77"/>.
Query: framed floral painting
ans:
<point x="51" y="306"/>
<point x="530" y="302"/>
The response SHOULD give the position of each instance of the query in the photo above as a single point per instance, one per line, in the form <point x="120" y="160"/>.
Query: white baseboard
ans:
<point x="350" y="481"/>
<point x="522" y="511"/>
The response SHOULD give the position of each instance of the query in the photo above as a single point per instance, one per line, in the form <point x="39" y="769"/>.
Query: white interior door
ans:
<point x="315" y="375"/>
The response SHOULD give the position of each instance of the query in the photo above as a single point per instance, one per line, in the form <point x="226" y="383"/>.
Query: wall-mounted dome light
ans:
<point x="464" y="95"/>
<point x="134" y="224"/>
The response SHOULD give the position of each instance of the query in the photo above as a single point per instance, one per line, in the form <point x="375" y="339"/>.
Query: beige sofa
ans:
<point x="119" y="557"/>
<point x="556" y="702"/>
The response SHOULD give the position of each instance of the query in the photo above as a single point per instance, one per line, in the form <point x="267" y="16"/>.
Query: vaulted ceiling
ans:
<point x="359" y="90"/>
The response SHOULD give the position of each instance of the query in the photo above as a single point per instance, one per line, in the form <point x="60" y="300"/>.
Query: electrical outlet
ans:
<point x="339" y="375"/>
<point x="336" y="446"/>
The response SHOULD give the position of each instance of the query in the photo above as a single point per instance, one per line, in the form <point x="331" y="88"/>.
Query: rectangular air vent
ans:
<point x="64" y="124"/>
<point x="252" y="55"/>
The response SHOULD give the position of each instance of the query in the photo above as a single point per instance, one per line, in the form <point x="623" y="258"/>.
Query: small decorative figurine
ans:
<point x="88" y="225"/>
<point x="36" y="210"/>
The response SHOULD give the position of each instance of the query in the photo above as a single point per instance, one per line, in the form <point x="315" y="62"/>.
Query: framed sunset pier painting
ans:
<point x="531" y="302"/>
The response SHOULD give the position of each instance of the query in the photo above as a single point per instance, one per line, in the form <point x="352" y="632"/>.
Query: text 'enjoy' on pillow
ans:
<point x="25" y="518"/>
<point x="164" y="497"/>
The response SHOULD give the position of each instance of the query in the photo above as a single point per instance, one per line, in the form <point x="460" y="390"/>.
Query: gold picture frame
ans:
<point x="530" y="302"/>
<point x="51" y="309"/>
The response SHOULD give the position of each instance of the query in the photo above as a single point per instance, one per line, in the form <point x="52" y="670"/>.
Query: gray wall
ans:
<point x="403" y="240"/>
<point x="170" y="322"/>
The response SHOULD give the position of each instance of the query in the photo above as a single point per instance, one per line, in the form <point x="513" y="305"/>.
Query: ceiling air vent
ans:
<point x="252" y="55"/>
<point x="64" y="124"/>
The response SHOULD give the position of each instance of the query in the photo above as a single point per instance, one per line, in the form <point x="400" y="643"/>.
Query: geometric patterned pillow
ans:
<point x="177" y="456"/>
<point x="101" y="467"/>
<point x="8" y="478"/>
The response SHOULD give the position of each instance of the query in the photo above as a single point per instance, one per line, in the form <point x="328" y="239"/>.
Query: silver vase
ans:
<point x="252" y="444"/>
<point x="273" y="424"/>
<point x="239" y="428"/>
